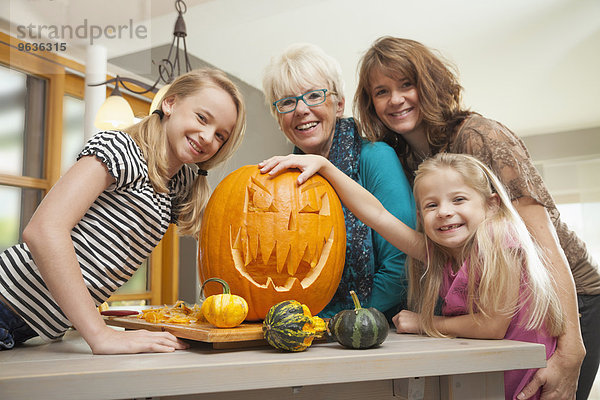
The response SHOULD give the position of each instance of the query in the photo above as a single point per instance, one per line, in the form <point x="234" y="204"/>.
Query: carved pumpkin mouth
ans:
<point x="294" y="249"/>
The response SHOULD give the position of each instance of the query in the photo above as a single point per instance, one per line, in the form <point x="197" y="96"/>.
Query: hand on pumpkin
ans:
<point x="407" y="322"/>
<point x="308" y="164"/>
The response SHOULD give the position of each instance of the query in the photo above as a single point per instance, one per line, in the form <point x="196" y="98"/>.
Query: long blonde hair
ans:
<point x="501" y="254"/>
<point x="150" y="135"/>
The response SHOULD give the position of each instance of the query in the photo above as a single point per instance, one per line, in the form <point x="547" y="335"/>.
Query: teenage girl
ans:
<point x="106" y="214"/>
<point x="471" y="249"/>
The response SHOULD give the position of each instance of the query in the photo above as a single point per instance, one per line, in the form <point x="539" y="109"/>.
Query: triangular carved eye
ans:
<point x="258" y="198"/>
<point x="314" y="200"/>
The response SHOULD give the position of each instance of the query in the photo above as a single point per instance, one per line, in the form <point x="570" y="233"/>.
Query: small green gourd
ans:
<point x="361" y="328"/>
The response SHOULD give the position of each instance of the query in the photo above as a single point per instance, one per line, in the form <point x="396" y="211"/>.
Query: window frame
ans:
<point x="54" y="75"/>
<point x="64" y="77"/>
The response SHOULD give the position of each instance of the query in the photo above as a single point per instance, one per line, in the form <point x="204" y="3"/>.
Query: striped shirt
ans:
<point x="116" y="234"/>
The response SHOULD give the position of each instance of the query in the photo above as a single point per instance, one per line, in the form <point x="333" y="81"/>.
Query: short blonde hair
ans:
<point x="301" y="65"/>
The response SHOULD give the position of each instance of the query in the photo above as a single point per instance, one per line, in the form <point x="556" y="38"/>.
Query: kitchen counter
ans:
<point x="454" y="368"/>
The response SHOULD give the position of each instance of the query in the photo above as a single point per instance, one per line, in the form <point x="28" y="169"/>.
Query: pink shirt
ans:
<point x="454" y="293"/>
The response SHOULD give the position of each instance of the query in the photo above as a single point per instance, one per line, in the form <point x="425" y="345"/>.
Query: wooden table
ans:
<point x="448" y="369"/>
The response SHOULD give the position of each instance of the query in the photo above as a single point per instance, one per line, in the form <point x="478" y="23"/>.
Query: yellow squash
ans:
<point x="223" y="310"/>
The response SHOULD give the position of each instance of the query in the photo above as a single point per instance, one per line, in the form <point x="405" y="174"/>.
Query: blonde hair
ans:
<point x="150" y="135"/>
<point x="501" y="254"/>
<point x="301" y="65"/>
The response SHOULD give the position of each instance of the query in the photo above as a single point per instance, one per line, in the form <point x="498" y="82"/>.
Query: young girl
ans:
<point x="474" y="252"/>
<point x="108" y="212"/>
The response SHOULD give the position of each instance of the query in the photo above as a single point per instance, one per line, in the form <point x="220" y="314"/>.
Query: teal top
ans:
<point x="381" y="174"/>
<point x="373" y="268"/>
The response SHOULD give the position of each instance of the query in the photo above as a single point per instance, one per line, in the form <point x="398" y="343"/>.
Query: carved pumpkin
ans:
<point x="273" y="240"/>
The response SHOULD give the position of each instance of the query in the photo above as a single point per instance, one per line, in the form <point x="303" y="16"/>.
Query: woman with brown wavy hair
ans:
<point x="410" y="97"/>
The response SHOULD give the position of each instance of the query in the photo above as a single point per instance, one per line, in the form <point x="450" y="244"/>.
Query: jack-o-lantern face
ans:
<point x="273" y="240"/>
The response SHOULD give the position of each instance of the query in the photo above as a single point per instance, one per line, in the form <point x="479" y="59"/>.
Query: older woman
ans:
<point x="409" y="97"/>
<point x="304" y="89"/>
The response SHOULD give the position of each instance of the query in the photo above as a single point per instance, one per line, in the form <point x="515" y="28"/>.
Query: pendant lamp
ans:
<point x="116" y="113"/>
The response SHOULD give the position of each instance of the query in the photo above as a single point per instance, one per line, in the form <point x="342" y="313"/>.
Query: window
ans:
<point x="26" y="135"/>
<point x="569" y="163"/>
<point x="72" y="140"/>
<point x="38" y="98"/>
<point x="13" y="200"/>
<point x="575" y="187"/>
<point x="12" y="119"/>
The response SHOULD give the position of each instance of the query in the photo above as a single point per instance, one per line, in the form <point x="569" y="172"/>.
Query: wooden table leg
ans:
<point x="480" y="386"/>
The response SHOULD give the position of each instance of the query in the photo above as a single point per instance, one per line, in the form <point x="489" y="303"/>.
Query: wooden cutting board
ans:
<point x="245" y="335"/>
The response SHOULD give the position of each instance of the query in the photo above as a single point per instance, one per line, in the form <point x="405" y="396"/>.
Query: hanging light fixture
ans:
<point x="116" y="113"/>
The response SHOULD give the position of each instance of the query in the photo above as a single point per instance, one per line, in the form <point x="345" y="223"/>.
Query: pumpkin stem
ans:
<point x="226" y="289"/>
<point x="355" y="300"/>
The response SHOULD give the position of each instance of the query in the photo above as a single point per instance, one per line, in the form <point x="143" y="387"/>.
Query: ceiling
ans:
<point x="531" y="64"/>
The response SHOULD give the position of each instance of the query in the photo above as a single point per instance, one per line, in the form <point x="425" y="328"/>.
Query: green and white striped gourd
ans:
<point x="360" y="328"/>
<point x="290" y="326"/>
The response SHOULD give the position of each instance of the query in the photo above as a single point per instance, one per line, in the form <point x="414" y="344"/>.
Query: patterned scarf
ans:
<point x="359" y="266"/>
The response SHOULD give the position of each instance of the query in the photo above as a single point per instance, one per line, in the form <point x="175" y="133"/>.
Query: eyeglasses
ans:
<point x="311" y="98"/>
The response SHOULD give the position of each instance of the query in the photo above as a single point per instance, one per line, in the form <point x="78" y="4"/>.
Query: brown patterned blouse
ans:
<point x="506" y="154"/>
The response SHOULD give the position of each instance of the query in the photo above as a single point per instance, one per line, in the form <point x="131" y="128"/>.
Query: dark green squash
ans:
<point x="290" y="326"/>
<point x="360" y="328"/>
